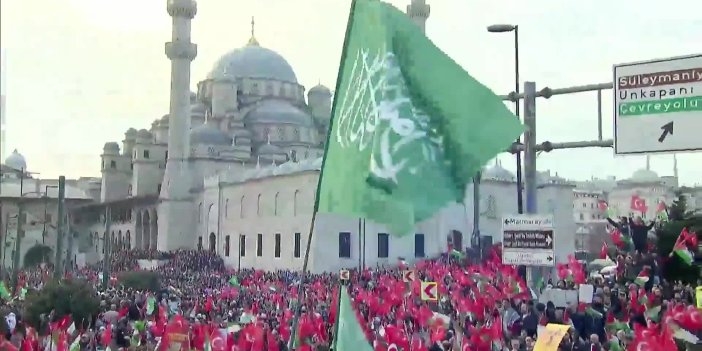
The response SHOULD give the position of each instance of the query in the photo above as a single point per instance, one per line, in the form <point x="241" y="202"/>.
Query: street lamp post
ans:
<point x="506" y="28"/>
<point x="107" y="246"/>
<point x="46" y="201"/>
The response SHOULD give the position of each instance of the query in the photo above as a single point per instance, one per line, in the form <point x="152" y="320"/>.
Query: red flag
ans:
<point x="638" y="204"/>
<point x="604" y="251"/>
<point x="107" y="335"/>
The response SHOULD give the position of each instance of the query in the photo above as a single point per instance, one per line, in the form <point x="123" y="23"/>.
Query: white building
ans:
<point x="233" y="169"/>
<point x="39" y="199"/>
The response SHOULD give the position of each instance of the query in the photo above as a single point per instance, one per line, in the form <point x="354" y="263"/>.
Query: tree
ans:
<point x="73" y="297"/>
<point x="141" y="280"/>
<point x="679" y="218"/>
<point x="36" y="255"/>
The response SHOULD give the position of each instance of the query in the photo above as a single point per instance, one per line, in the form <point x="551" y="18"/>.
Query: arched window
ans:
<point x="258" y="205"/>
<point x="296" y="195"/>
<point x="199" y="213"/>
<point x="241" y="207"/>
<point x="275" y="204"/>
<point x="226" y="208"/>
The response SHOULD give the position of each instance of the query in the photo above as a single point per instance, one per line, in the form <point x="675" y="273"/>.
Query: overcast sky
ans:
<point x="80" y="72"/>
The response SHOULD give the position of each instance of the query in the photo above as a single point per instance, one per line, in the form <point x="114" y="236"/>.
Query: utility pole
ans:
<point x="476" y="215"/>
<point x="69" y="246"/>
<point x="530" y="162"/>
<point x="20" y="232"/>
<point x="58" y="267"/>
<point x="107" y="246"/>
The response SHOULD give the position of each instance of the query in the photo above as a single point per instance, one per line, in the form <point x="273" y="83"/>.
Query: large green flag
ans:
<point x="349" y="335"/>
<point x="409" y="128"/>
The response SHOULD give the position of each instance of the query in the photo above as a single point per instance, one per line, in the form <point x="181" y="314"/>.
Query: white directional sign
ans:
<point x="658" y="106"/>
<point x="528" y="240"/>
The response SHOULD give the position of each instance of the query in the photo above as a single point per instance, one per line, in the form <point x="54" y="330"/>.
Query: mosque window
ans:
<point x="146" y="153"/>
<point x="199" y="213"/>
<point x="226" y="245"/>
<point x="241" y="207"/>
<point x="242" y="245"/>
<point x="259" y="245"/>
<point x="199" y="243"/>
<point x="298" y="245"/>
<point x="258" y="205"/>
<point x="344" y="245"/>
<point x="275" y="204"/>
<point x="269" y="88"/>
<point x="113" y="164"/>
<point x="281" y="134"/>
<point x="419" y="245"/>
<point x="277" y="246"/>
<point x="226" y="208"/>
<point x="296" y="134"/>
<point x="383" y="245"/>
<point x="254" y="89"/>
<point x="296" y="196"/>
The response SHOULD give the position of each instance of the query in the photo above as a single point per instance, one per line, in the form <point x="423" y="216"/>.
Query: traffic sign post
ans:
<point x="658" y="106"/>
<point x="344" y="275"/>
<point x="528" y="240"/>
<point x="429" y="291"/>
<point x="409" y="276"/>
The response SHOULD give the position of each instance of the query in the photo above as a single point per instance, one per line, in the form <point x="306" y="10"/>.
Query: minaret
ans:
<point x="675" y="166"/>
<point x="418" y="11"/>
<point x="648" y="162"/>
<point x="176" y="223"/>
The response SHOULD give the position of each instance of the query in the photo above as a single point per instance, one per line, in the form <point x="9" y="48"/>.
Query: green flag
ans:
<point x="5" y="292"/>
<point x="150" y="305"/>
<point x="349" y="334"/>
<point x="233" y="281"/>
<point x="409" y="129"/>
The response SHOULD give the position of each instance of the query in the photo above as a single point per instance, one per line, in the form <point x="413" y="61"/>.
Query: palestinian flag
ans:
<point x="681" y="249"/>
<point x="662" y="211"/>
<point x="233" y="281"/>
<point x="643" y="277"/>
<point x="457" y="254"/>
<point x="614" y="325"/>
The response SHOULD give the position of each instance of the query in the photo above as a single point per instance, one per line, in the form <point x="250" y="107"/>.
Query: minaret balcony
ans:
<point x="182" y="8"/>
<point x="181" y="50"/>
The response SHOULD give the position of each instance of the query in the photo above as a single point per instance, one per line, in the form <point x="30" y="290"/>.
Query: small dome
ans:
<point x="16" y="161"/>
<point x="645" y="175"/>
<point x="498" y="173"/>
<point x="208" y="134"/>
<point x="144" y="134"/>
<point x="279" y="111"/>
<point x="319" y="90"/>
<point x="111" y="148"/>
<point x="253" y="62"/>
<point x="270" y="149"/>
<point x="165" y="119"/>
<point x="131" y="133"/>
<point x="244" y="133"/>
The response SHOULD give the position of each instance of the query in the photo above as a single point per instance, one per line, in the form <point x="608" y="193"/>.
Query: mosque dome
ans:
<point x="16" y="161"/>
<point x="145" y="134"/>
<point x="208" y="134"/>
<point x="165" y="119"/>
<point x="130" y="134"/>
<point x="319" y="90"/>
<point x="645" y="175"/>
<point x="111" y="148"/>
<point x="278" y="111"/>
<point x="253" y="61"/>
<point x="498" y="173"/>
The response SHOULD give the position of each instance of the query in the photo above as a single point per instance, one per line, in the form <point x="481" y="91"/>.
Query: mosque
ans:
<point x="233" y="168"/>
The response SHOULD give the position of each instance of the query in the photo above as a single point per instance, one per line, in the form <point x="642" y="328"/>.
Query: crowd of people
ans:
<point x="483" y="306"/>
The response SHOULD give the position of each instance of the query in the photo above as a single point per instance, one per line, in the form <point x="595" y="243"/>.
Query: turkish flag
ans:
<point x="638" y="204"/>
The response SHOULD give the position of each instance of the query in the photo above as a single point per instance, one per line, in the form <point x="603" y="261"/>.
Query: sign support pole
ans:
<point x="533" y="273"/>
